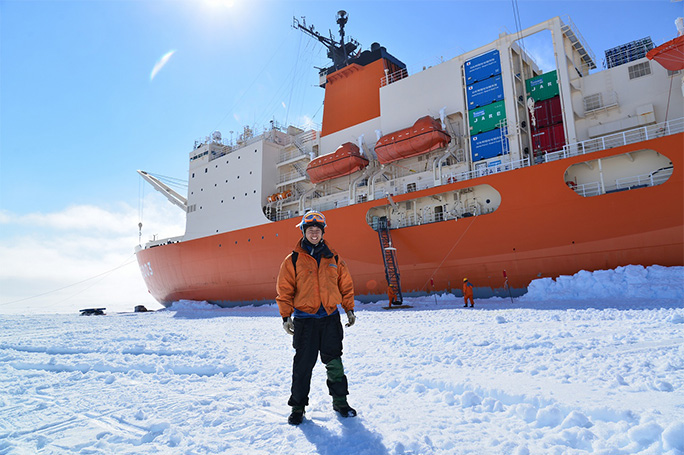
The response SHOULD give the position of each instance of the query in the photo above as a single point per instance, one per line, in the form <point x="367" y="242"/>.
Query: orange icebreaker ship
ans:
<point x="481" y="164"/>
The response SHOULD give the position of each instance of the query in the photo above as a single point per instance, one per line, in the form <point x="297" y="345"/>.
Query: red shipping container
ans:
<point x="558" y="136"/>
<point x="548" y="112"/>
<point x="542" y="139"/>
<point x="548" y="139"/>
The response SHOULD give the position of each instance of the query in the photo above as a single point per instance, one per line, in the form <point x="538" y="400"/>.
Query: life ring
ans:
<point x="572" y="185"/>
<point x="451" y="179"/>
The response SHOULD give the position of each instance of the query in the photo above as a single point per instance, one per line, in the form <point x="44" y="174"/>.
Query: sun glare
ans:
<point x="220" y="3"/>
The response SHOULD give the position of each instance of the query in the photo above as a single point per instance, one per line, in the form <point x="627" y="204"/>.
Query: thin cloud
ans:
<point x="80" y="257"/>
<point x="160" y="63"/>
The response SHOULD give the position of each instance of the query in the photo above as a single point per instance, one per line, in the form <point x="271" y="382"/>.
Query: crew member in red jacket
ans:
<point x="312" y="281"/>
<point x="467" y="293"/>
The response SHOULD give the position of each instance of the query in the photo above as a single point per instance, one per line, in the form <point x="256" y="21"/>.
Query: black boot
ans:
<point x="297" y="415"/>
<point x="344" y="410"/>
<point x="341" y="406"/>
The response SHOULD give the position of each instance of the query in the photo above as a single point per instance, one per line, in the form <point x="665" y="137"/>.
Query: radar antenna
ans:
<point x="339" y="52"/>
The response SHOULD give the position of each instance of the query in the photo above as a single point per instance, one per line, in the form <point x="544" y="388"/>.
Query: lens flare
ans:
<point x="160" y="63"/>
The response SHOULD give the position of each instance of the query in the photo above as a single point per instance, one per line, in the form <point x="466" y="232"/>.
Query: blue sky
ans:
<point x="79" y="112"/>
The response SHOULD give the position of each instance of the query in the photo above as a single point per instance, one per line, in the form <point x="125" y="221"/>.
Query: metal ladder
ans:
<point x="389" y="257"/>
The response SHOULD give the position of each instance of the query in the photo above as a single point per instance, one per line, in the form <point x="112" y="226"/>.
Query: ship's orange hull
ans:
<point x="541" y="229"/>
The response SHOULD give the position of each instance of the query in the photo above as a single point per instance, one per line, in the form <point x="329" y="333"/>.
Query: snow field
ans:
<point x="545" y="376"/>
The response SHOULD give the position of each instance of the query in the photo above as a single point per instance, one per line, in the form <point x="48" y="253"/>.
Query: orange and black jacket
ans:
<point x="305" y="284"/>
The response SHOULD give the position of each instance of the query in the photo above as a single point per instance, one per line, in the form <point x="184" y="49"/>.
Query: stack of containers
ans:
<point x="548" y="134"/>
<point x="634" y="50"/>
<point x="486" y="107"/>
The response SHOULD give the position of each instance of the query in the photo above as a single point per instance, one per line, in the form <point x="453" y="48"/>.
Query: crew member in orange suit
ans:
<point x="391" y="295"/>
<point x="313" y="280"/>
<point x="467" y="293"/>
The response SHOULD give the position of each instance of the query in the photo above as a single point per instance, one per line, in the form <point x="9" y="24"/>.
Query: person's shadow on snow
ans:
<point x="355" y="439"/>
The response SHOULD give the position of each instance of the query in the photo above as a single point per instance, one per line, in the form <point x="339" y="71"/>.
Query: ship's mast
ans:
<point x="339" y="52"/>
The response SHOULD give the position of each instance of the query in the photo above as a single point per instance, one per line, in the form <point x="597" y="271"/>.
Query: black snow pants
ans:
<point x="313" y="336"/>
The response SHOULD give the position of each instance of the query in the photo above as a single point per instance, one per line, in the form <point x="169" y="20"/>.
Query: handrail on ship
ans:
<point x="618" y="139"/>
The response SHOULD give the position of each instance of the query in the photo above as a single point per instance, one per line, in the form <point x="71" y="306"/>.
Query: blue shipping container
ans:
<point x="482" y="67"/>
<point x="485" y="92"/>
<point x="489" y="144"/>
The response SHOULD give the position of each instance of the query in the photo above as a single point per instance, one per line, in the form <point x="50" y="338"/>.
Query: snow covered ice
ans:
<point x="592" y="363"/>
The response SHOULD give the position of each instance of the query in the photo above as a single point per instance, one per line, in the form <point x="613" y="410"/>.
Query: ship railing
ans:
<point x="394" y="77"/>
<point x="625" y="183"/>
<point x="618" y="139"/>
<point x="578" y="42"/>
<point x="643" y="180"/>
<point x="307" y="136"/>
<point x="588" y="189"/>
<point x="166" y="241"/>
<point x="291" y="177"/>
<point x="475" y="173"/>
<point x="330" y="205"/>
<point x="424" y="218"/>
<point x="291" y="154"/>
<point x="283" y="215"/>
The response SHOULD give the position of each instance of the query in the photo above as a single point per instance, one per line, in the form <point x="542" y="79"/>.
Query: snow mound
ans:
<point x="632" y="281"/>
<point x="673" y="436"/>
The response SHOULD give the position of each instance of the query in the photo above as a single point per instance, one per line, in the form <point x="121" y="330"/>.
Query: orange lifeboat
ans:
<point x="424" y="136"/>
<point x="670" y="55"/>
<point x="344" y="161"/>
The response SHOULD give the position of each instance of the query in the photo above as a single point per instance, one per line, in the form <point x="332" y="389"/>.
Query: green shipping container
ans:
<point x="542" y="87"/>
<point x="486" y="118"/>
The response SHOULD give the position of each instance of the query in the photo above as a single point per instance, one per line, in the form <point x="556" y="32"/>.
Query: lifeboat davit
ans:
<point x="424" y="136"/>
<point x="344" y="161"/>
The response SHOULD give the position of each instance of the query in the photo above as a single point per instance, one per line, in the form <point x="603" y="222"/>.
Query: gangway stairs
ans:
<point x="389" y="256"/>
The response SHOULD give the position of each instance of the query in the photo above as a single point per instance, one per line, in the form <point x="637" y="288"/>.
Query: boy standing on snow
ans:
<point x="311" y="283"/>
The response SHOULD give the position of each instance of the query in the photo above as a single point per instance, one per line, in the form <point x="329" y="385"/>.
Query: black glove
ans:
<point x="351" y="318"/>
<point x="288" y="325"/>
